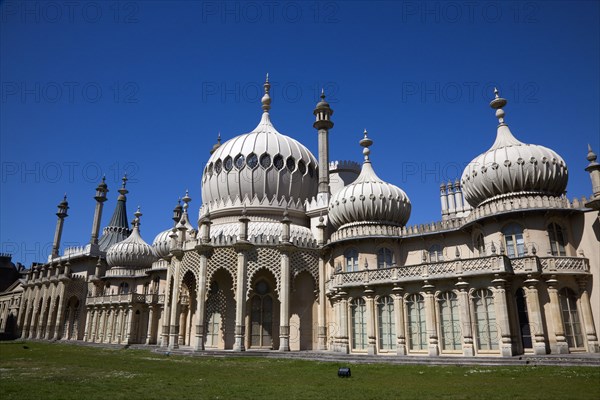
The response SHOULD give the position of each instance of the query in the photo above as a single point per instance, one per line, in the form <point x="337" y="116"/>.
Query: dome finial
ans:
<point x="136" y="220"/>
<point x="266" y="99"/>
<point x="186" y="199"/>
<point x="498" y="103"/>
<point x="366" y="143"/>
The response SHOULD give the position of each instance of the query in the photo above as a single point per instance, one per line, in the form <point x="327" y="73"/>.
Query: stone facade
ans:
<point x="512" y="273"/>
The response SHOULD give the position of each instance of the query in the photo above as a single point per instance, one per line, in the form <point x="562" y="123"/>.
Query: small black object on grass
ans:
<point x="344" y="372"/>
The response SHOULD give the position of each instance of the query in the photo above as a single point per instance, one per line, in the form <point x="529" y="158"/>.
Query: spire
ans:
<point x="266" y="99"/>
<point x="591" y="156"/>
<point x="177" y="211"/>
<point x="366" y="143"/>
<point x="118" y="227"/>
<point x="504" y="136"/>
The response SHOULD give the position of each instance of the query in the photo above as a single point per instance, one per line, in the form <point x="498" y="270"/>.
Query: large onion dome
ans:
<point x="262" y="165"/>
<point x="369" y="199"/>
<point x="133" y="251"/>
<point x="512" y="168"/>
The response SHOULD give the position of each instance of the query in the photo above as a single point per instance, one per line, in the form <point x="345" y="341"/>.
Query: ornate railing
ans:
<point x="569" y="265"/>
<point x="497" y="264"/>
<point x="152" y="298"/>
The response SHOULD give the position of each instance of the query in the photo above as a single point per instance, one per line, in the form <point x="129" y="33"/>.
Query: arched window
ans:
<point x="513" y="238"/>
<point x="485" y="320"/>
<point x="351" y="257"/>
<point x="572" y="324"/>
<point x="417" y="330"/>
<point x="557" y="240"/>
<point x="387" y="326"/>
<point x="480" y="245"/>
<point x="359" y="324"/>
<point x="261" y="316"/>
<point x="384" y="258"/>
<point x="436" y="253"/>
<point x="449" y="321"/>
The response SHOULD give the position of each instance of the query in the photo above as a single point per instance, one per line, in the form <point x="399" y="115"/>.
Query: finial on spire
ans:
<point x="186" y="199"/>
<point x="323" y="93"/>
<point x="123" y="191"/>
<point x="219" y="137"/>
<point x="498" y="103"/>
<point x="366" y="143"/>
<point x="591" y="156"/>
<point x="266" y="99"/>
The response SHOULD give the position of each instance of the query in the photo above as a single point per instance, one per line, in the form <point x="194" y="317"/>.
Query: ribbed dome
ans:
<point x="511" y="167"/>
<point x="369" y="199"/>
<point x="262" y="163"/>
<point x="131" y="252"/>
<point x="162" y="243"/>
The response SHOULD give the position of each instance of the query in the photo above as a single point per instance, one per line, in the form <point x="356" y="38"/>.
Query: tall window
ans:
<point x="480" y="245"/>
<point x="525" y="328"/>
<point x="417" y="330"/>
<point x="557" y="240"/>
<point x="261" y="316"/>
<point x="359" y="324"/>
<point x="436" y="253"/>
<point x="513" y="237"/>
<point x="387" y="326"/>
<point x="449" y="321"/>
<point x="485" y="320"/>
<point x="351" y="256"/>
<point x="572" y="324"/>
<point x="124" y="288"/>
<point x="384" y="258"/>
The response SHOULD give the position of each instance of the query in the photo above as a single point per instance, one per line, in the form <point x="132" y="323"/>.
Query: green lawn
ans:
<point x="59" y="371"/>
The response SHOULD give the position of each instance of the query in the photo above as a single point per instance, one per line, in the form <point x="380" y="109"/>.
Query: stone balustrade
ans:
<point x="496" y="264"/>
<point x="126" y="298"/>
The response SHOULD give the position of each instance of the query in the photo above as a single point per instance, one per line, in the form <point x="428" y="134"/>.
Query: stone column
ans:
<point x="183" y="320"/>
<point x="24" y="313"/>
<point x="240" y="300"/>
<point x="451" y="204"/>
<point x="149" y="331"/>
<point x="458" y="199"/>
<point x="534" y="312"/>
<point x="430" y="319"/>
<point x="166" y="314"/>
<point x="588" y="318"/>
<point x="561" y="346"/>
<point x="59" y="316"/>
<point x="201" y="302"/>
<point x="399" y="320"/>
<point x="102" y="327"/>
<point x="502" y="317"/>
<point x="128" y="317"/>
<point x="465" y="318"/>
<point x="344" y="343"/>
<point x="110" y="317"/>
<point x="321" y="309"/>
<point x="370" y="303"/>
<point x="284" y="297"/>
<point x="49" y="321"/>
<point x="88" y="326"/>
<point x="175" y="306"/>
<point x="92" y="333"/>
<point x="444" y="199"/>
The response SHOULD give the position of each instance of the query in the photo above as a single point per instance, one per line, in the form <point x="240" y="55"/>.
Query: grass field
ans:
<point x="58" y="371"/>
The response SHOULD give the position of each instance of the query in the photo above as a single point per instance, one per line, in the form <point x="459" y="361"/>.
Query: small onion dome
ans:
<point x="162" y="243"/>
<point x="369" y="199"/>
<point x="511" y="167"/>
<point x="133" y="251"/>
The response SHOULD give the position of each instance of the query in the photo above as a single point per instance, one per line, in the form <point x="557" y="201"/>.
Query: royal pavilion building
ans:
<point x="293" y="252"/>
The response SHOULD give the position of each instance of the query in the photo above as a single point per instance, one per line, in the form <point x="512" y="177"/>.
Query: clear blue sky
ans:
<point x="144" y="86"/>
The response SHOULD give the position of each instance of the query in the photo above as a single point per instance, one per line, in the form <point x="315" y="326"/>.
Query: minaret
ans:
<point x="63" y="206"/>
<point x="100" y="197"/>
<point x="322" y="124"/>
<point x="593" y="169"/>
<point x="118" y="227"/>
